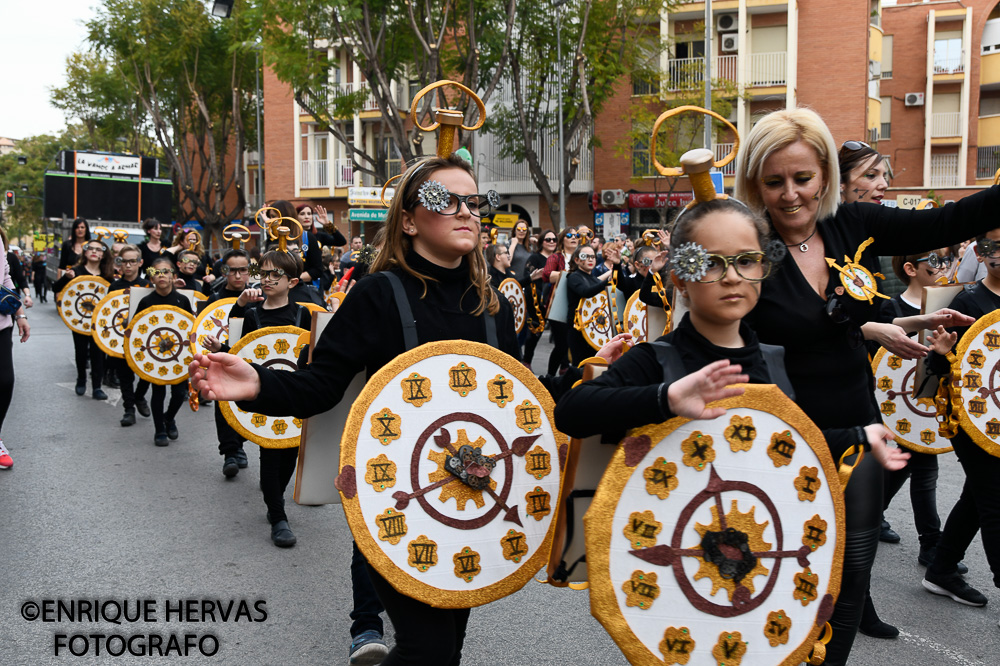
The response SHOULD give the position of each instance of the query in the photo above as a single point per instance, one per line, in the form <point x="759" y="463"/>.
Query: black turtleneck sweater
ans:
<point x="630" y="389"/>
<point x="366" y="334"/>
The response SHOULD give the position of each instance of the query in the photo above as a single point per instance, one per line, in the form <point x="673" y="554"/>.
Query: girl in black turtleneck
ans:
<point x="714" y="345"/>
<point x="438" y="259"/>
<point x="581" y="283"/>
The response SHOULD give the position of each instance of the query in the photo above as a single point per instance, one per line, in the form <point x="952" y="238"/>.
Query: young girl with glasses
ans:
<point x="581" y="283"/>
<point x="162" y="274"/>
<point x="432" y="247"/>
<point x="94" y="260"/>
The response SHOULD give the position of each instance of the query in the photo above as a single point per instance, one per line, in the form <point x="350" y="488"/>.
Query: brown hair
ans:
<point x="398" y="245"/>
<point x="286" y="261"/>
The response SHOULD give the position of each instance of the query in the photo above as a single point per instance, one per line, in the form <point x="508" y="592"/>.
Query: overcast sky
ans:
<point x="37" y="37"/>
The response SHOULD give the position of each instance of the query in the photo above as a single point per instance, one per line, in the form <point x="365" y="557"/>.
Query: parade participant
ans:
<point x="978" y="507"/>
<point x="643" y="260"/>
<point x="260" y="308"/>
<point x="152" y="247"/>
<point x="432" y="248"/>
<point x="555" y="267"/>
<point x="96" y="261"/>
<point x="73" y="247"/>
<point x="518" y="249"/>
<point x="187" y="265"/>
<point x="581" y="283"/>
<point x="17" y="275"/>
<point x="129" y="261"/>
<point x="6" y="349"/>
<point x="161" y="274"/>
<point x="498" y="260"/>
<point x="536" y="295"/>
<point x="788" y="170"/>
<point x="39" y="276"/>
<point x="187" y="240"/>
<point x="236" y="269"/>
<point x="313" y="238"/>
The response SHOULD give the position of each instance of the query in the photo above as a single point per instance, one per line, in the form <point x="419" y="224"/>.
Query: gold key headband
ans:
<point x="695" y="164"/>
<point x="276" y="227"/>
<point x="236" y="234"/>
<point x="448" y="120"/>
<point x="100" y="233"/>
<point x="120" y="235"/>
<point x="195" y="245"/>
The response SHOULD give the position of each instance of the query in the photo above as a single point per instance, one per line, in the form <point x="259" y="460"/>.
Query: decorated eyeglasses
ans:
<point x="125" y="262"/>
<point x="157" y="272"/>
<point x="751" y="266"/>
<point x="272" y="275"/>
<point x="237" y="271"/>
<point x="95" y="248"/>
<point x="437" y="198"/>
<point x="936" y="262"/>
<point x="189" y="260"/>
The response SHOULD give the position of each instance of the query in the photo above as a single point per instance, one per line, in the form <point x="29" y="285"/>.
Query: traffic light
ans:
<point x="9" y="198"/>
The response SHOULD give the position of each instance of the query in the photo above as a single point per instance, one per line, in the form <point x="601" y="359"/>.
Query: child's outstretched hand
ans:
<point x="211" y="343"/>
<point x="689" y="395"/>
<point x="615" y="347"/>
<point x="659" y="261"/>
<point x="250" y="296"/>
<point x="223" y="377"/>
<point x="941" y="341"/>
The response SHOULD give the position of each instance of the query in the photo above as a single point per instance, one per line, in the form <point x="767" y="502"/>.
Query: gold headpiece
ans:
<point x="236" y="234"/>
<point x="120" y="235"/>
<point x="696" y="164"/>
<point x="448" y="120"/>
<point x="276" y="227"/>
<point x="100" y="233"/>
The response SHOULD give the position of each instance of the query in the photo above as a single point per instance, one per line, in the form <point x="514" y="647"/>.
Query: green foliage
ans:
<point x="194" y="78"/>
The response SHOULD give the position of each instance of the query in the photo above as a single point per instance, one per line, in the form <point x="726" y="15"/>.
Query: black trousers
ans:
<point x="579" y="348"/>
<point x="977" y="509"/>
<point x="85" y="347"/>
<point x="863" y="505"/>
<point x="365" y="614"/>
<point x="126" y="378"/>
<point x="276" y="469"/>
<point x="559" y="358"/>
<point x="178" y="395"/>
<point x="922" y="471"/>
<point x="6" y="371"/>
<point x="230" y="441"/>
<point x="424" y="634"/>
<point x="40" y="288"/>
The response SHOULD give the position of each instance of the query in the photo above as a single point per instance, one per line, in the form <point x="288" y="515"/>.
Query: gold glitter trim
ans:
<point x="600" y="517"/>
<point x="403" y="581"/>
<point x="203" y="322"/>
<point x="260" y="437"/>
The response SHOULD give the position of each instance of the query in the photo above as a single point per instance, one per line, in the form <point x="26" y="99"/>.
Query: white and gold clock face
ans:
<point x="635" y="319"/>
<point x="858" y="282"/>
<point x="156" y="344"/>
<point x="912" y="420"/>
<point x="978" y="364"/>
<point x="450" y="473"/>
<point x="213" y="320"/>
<point x="595" y="321"/>
<point x="718" y="541"/>
<point x="78" y="300"/>
<point x="110" y="319"/>
<point x="276" y="348"/>
<point x="511" y="289"/>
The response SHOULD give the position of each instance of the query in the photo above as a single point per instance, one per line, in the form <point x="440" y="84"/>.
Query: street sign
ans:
<point x="908" y="200"/>
<point x="367" y="214"/>
<point x="368" y="196"/>
<point x="505" y="219"/>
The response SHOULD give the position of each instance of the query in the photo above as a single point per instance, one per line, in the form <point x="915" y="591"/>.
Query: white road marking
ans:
<point x="114" y="395"/>
<point x="952" y="655"/>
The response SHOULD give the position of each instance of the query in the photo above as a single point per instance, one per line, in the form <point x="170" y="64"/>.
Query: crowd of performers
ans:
<point x="762" y="307"/>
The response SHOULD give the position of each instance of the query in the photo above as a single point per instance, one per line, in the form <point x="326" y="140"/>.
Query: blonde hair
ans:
<point x="397" y="245"/>
<point x="776" y="131"/>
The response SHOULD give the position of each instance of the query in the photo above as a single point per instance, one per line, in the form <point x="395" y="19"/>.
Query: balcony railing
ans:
<point x="343" y="173"/>
<point x="768" y="69"/>
<point x="326" y="98"/>
<point x="884" y="131"/>
<point x="314" y="173"/>
<point x="721" y="150"/>
<point x="954" y="65"/>
<point x="987" y="161"/>
<point x="688" y="73"/>
<point x="945" y="124"/>
<point x="944" y="170"/>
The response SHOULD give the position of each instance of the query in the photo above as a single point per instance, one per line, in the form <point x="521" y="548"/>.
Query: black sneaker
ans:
<point x="99" y="394"/>
<point x="160" y="439"/>
<point x="926" y="557"/>
<point x="81" y="388"/>
<point x="888" y="535"/>
<point x="282" y="535"/>
<point x="172" y="430"/>
<point x="230" y="468"/>
<point x="129" y="418"/>
<point x="879" y="629"/>
<point x="368" y="648"/>
<point x="953" y="586"/>
<point x="241" y="458"/>
<point x="142" y="407"/>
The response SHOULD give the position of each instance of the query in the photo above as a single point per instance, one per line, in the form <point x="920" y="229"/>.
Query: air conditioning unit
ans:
<point x="730" y="43"/>
<point x="613" y="197"/>
<point x="726" y="22"/>
<point x="914" y="99"/>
